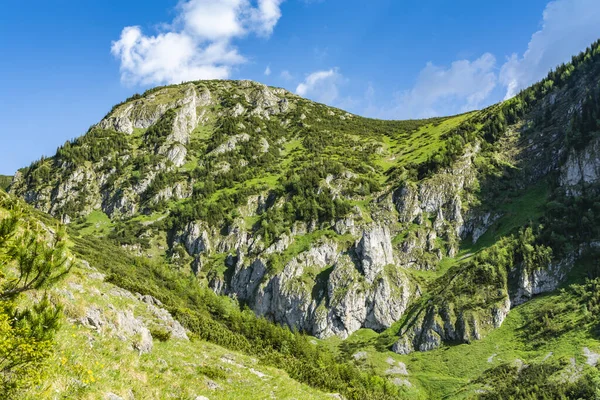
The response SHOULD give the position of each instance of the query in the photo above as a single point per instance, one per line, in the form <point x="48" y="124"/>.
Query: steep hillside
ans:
<point x="400" y="236"/>
<point x="98" y="340"/>
<point x="124" y="344"/>
<point x="5" y="182"/>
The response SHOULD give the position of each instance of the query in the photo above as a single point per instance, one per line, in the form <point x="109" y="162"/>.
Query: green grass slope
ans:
<point x="548" y="330"/>
<point x="89" y="363"/>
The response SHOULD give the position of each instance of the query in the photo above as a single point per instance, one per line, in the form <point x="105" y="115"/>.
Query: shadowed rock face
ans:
<point x="374" y="250"/>
<point x="581" y="169"/>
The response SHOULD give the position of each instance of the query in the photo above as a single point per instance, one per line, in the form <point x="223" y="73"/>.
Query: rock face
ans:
<point x="581" y="169"/>
<point x="129" y="326"/>
<point x="107" y="189"/>
<point x="531" y="283"/>
<point x="196" y="239"/>
<point x="327" y="290"/>
<point x="374" y="250"/>
<point x="145" y="112"/>
<point x="433" y="324"/>
<point x="434" y="209"/>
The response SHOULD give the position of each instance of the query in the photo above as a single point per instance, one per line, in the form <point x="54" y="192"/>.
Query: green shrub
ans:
<point x="160" y="333"/>
<point x="212" y="372"/>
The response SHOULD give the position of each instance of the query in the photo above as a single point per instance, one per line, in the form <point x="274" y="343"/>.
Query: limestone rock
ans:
<point x="135" y="330"/>
<point x="375" y="251"/>
<point x="231" y="143"/>
<point x="93" y="318"/>
<point x="582" y="168"/>
<point x="177" y="154"/>
<point x="173" y="326"/>
<point x="537" y="281"/>
<point x="196" y="238"/>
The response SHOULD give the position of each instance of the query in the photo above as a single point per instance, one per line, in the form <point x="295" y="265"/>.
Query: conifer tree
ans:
<point x="31" y="259"/>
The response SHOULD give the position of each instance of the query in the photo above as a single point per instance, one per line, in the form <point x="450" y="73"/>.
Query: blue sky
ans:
<point x="65" y="64"/>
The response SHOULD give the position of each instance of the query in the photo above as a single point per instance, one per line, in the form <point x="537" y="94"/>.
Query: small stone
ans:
<point x="402" y="382"/>
<point x="118" y="292"/>
<point x="212" y="385"/>
<point x="93" y="318"/>
<point x="399" y="369"/>
<point x="67" y="294"/>
<point x="257" y="373"/>
<point x="151" y="300"/>
<point x="76" y="287"/>
<point x="129" y="326"/>
<point x="97" y="275"/>
<point x="592" y="358"/>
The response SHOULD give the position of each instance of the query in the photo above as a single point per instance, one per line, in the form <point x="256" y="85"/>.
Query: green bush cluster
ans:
<point x="538" y="382"/>
<point x="570" y="221"/>
<point x="212" y="372"/>
<point x="158" y="133"/>
<point x="160" y="333"/>
<point x="96" y="145"/>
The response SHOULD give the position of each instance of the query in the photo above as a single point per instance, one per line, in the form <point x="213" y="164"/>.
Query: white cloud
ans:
<point x="321" y="86"/>
<point x="569" y="26"/>
<point x="268" y="71"/>
<point x="213" y="20"/>
<point x="445" y="90"/>
<point x="197" y="45"/>
<point x="286" y="75"/>
<point x="266" y="16"/>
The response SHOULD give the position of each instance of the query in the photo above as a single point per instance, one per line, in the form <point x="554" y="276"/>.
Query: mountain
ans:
<point x="441" y="253"/>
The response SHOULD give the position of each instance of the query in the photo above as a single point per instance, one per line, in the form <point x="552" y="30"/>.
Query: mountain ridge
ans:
<point x="427" y="232"/>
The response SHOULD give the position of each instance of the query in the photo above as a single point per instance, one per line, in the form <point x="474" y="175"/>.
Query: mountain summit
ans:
<point x="413" y="234"/>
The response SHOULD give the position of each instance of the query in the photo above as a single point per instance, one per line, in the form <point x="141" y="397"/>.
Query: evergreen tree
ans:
<point x="30" y="259"/>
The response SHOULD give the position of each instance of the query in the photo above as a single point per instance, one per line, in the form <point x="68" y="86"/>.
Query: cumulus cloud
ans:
<point x="266" y="16"/>
<point x="321" y="86"/>
<point x="197" y="44"/>
<point x="461" y="87"/>
<point x="268" y="71"/>
<point x="568" y="27"/>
